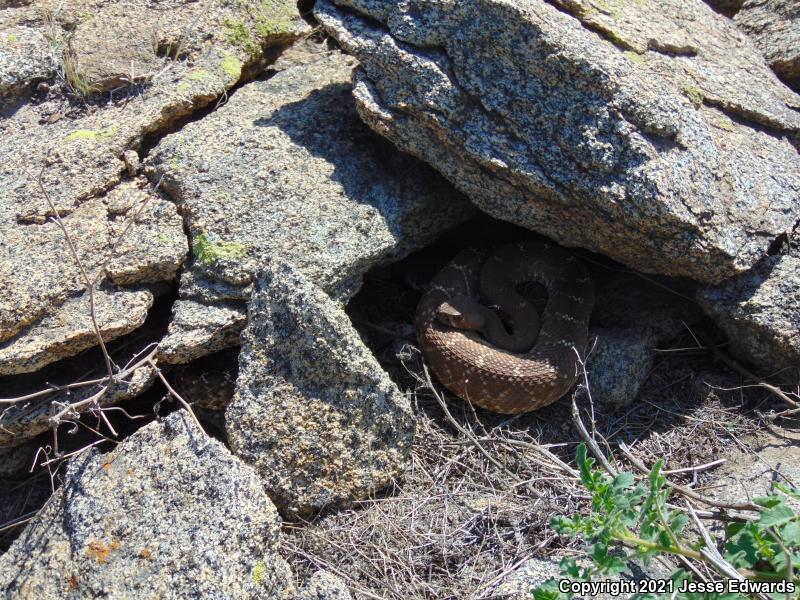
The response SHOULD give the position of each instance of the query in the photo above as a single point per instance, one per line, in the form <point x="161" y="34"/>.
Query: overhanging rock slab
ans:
<point x="614" y="126"/>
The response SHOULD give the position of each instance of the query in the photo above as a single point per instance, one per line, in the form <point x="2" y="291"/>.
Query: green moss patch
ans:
<point x="260" y="573"/>
<point x="694" y="94"/>
<point x="94" y="135"/>
<point x="209" y="253"/>
<point x="238" y="34"/>
<point x="198" y="75"/>
<point x="232" y="67"/>
<point x="274" y="18"/>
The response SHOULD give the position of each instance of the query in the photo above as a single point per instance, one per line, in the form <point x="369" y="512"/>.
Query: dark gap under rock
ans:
<point x="631" y="311"/>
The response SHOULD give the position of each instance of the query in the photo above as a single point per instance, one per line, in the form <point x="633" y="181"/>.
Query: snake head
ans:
<point x="461" y="312"/>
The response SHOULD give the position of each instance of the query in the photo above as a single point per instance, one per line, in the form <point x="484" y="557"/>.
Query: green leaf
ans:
<point x="622" y="481"/>
<point x="549" y="591"/>
<point x="585" y="467"/>
<point x="742" y="549"/>
<point x="790" y="533"/>
<point x="775" y="515"/>
<point x="569" y="569"/>
<point x="789" y="491"/>
<point x="678" y="522"/>
<point x="657" y="481"/>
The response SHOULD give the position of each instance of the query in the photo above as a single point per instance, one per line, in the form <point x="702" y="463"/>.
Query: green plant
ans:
<point x="76" y="81"/>
<point x="630" y="520"/>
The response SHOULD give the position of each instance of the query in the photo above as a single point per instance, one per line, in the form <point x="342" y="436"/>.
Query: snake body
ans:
<point x="468" y="346"/>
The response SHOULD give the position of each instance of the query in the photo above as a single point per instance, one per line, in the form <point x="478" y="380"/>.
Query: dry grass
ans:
<point x="475" y="502"/>
<point x="481" y="489"/>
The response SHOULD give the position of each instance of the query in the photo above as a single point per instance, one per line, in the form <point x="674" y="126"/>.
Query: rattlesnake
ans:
<point x="502" y="372"/>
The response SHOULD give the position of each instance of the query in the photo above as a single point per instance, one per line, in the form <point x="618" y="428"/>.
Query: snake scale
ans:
<point x="470" y="350"/>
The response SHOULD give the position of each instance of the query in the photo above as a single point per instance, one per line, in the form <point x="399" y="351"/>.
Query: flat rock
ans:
<point x="313" y="411"/>
<point x="747" y="475"/>
<point x="199" y="329"/>
<point x="286" y="168"/>
<point x="168" y="513"/>
<point x="84" y="153"/>
<point x="44" y="306"/>
<point x="760" y="313"/>
<point x="607" y="125"/>
<point x="775" y="27"/>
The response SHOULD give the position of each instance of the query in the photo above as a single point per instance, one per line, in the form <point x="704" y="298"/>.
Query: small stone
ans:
<point x="131" y="160"/>
<point x="323" y="585"/>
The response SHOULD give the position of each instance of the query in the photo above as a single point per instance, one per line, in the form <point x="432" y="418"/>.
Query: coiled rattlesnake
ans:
<point x="467" y="345"/>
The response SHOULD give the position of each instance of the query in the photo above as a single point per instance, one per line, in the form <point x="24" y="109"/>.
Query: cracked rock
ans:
<point x="775" y="27"/>
<point x="613" y="126"/>
<point x="168" y="513"/>
<point x="44" y="306"/>
<point x="313" y="411"/>
<point x="82" y="152"/>
<point x="286" y="168"/>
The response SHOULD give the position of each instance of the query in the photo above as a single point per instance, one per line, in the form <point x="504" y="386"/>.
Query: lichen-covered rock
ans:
<point x="775" y="27"/>
<point x="760" y="313"/>
<point x="286" y="168"/>
<point x="323" y="585"/>
<point x="25" y="58"/>
<point x="169" y="513"/>
<point x="124" y="43"/>
<point x="313" y="411"/>
<point x="616" y="127"/>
